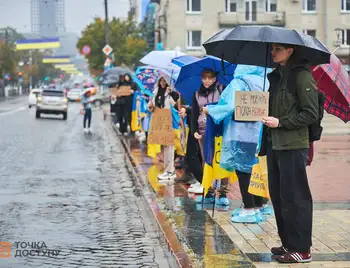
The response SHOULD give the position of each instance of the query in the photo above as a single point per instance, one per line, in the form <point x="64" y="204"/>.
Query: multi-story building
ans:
<point x="48" y="17"/>
<point x="188" y="23"/>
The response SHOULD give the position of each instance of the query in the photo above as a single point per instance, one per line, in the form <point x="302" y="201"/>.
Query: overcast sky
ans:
<point x="79" y="13"/>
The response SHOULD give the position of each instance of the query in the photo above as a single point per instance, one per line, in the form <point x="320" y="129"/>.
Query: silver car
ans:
<point x="52" y="102"/>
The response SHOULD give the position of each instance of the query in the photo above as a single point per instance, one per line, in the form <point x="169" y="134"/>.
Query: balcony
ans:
<point x="227" y="19"/>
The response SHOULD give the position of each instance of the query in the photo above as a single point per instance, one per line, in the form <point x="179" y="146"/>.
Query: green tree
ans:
<point x="125" y="39"/>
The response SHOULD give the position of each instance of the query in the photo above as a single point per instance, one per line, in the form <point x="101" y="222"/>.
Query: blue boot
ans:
<point x="223" y="201"/>
<point x="209" y="199"/>
<point x="267" y="210"/>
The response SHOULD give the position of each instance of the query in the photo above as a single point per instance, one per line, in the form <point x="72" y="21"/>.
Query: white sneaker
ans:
<point x="89" y="130"/>
<point x="193" y="185"/>
<point x="196" y="188"/>
<point x="167" y="176"/>
<point x="85" y="130"/>
<point x="117" y="125"/>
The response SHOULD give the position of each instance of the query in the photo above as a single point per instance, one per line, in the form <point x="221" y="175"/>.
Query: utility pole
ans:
<point x="106" y="23"/>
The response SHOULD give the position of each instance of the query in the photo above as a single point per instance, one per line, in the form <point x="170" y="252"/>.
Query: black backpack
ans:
<point x="315" y="129"/>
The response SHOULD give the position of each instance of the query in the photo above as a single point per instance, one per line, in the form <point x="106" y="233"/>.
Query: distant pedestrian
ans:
<point x="87" y="111"/>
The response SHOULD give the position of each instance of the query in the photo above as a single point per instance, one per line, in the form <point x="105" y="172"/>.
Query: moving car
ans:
<point x="52" y="102"/>
<point x="74" y="94"/>
<point x="33" y="95"/>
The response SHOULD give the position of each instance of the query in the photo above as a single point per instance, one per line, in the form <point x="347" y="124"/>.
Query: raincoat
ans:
<point x="240" y="139"/>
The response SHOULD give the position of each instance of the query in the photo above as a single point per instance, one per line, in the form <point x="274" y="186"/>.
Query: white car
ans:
<point x="33" y="95"/>
<point x="74" y="94"/>
<point x="52" y="102"/>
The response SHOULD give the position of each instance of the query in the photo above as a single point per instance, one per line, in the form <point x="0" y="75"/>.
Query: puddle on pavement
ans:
<point x="208" y="241"/>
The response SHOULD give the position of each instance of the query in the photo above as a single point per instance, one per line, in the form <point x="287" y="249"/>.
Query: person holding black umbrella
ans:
<point x="293" y="123"/>
<point x="293" y="107"/>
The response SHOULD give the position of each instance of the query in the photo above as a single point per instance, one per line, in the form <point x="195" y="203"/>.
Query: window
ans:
<point x="345" y="37"/>
<point x="251" y="7"/>
<point x="310" y="32"/>
<point x="231" y="5"/>
<point x="345" y="5"/>
<point x="53" y="93"/>
<point x="194" y="39"/>
<point x="309" y="5"/>
<point x="271" y="6"/>
<point x="193" y="5"/>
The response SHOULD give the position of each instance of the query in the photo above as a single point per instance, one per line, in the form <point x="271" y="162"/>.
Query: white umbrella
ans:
<point x="162" y="59"/>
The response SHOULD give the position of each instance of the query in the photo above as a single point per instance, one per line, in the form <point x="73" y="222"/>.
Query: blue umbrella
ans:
<point x="189" y="79"/>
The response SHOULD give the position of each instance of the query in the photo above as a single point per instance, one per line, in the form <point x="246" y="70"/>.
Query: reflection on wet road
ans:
<point x="71" y="191"/>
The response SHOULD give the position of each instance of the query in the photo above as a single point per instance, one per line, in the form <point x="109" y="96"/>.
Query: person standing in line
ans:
<point x="293" y="108"/>
<point x="162" y="99"/>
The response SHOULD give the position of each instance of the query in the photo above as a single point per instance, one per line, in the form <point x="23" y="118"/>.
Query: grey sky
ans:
<point x="79" y="13"/>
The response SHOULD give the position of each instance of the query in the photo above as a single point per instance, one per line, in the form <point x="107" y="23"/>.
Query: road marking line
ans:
<point x="14" y="111"/>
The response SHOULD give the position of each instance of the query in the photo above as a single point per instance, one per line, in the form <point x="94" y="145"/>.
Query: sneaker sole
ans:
<point x="296" y="261"/>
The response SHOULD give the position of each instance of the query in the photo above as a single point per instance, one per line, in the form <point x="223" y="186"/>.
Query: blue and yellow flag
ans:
<point x="138" y="111"/>
<point x="212" y="149"/>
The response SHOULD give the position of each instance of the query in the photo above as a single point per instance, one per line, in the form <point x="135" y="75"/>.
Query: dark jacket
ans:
<point x="294" y="101"/>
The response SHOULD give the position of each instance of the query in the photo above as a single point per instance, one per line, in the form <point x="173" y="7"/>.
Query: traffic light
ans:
<point x="19" y="74"/>
<point x="46" y="78"/>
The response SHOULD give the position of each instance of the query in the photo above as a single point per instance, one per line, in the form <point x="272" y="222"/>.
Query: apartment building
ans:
<point x="186" y="24"/>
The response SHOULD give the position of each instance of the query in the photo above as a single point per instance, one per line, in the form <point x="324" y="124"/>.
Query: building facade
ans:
<point x="48" y="17"/>
<point x="189" y="23"/>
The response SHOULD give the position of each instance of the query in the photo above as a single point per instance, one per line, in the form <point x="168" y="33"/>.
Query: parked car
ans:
<point x="74" y="94"/>
<point x="33" y="95"/>
<point x="52" y="102"/>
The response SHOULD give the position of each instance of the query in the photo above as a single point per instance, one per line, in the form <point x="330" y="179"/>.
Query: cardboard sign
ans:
<point x="161" y="128"/>
<point x="251" y="105"/>
<point x="114" y="91"/>
<point x="124" y="91"/>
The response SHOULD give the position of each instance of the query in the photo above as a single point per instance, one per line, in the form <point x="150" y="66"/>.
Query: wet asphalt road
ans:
<point x="71" y="191"/>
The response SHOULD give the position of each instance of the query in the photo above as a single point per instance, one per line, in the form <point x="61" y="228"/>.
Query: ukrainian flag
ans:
<point x="37" y="43"/>
<point x="56" y="59"/>
<point x="180" y="133"/>
<point x="138" y="111"/>
<point x="212" y="148"/>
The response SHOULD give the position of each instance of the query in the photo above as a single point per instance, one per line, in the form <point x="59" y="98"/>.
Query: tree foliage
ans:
<point x="125" y="39"/>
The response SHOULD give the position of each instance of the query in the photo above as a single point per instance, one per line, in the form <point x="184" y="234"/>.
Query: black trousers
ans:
<point x="193" y="158"/>
<point x="249" y="200"/>
<point x="291" y="197"/>
<point x="87" y="117"/>
<point x="122" y="117"/>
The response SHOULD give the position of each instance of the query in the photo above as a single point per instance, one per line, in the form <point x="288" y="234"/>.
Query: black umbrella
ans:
<point x="251" y="45"/>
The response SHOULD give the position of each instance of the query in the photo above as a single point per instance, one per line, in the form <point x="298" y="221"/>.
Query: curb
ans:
<point x="174" y="245"/>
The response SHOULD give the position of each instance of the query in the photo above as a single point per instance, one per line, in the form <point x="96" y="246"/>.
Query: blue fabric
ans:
<point x="240" y="139"/>
<point x="87" y="105"/>
<point x="212" y="130"/>
<point x="190" y="76"/>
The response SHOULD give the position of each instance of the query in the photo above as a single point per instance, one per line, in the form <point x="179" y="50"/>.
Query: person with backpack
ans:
<point x="293" y="112"/>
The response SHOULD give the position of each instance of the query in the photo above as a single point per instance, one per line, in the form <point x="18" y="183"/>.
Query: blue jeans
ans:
<point x="87" y="117"/>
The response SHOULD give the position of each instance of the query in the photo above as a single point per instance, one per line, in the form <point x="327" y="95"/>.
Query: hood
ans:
<point x="253" y="76"/>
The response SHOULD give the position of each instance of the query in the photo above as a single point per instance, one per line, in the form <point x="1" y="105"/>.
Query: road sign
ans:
<point x="86" y="50"/>
<point x="107" y="50"/>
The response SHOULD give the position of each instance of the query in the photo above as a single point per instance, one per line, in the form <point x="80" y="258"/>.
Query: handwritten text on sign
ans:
<point x="161" y="128"/>
<point x="251" y="105"/>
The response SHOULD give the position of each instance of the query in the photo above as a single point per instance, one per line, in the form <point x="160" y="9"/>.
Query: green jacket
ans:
<point x="294" y="101"/>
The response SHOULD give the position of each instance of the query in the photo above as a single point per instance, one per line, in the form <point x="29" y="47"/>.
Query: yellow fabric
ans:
<point x="153" y="150"/>
<point x="259" y="179"/>
<point x="179" y="149"/>
<point x="210" y="173"/>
